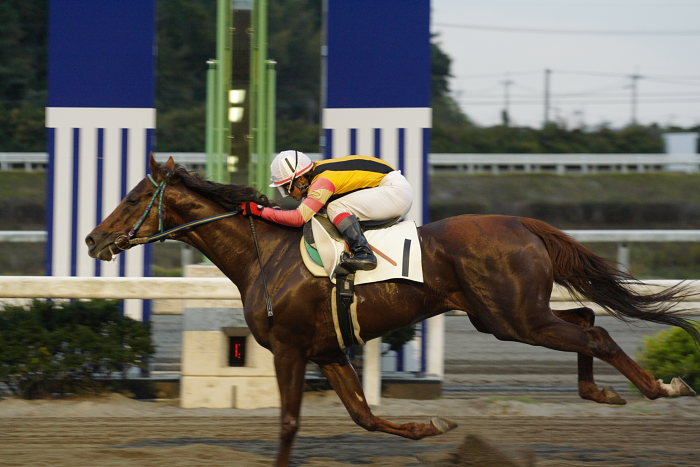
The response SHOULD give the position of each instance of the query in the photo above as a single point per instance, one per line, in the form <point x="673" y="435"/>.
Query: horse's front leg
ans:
<point x="290" y="367"/>
<point x="344" y="380"/>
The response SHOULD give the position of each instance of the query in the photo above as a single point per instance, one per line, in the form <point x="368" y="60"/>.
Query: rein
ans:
<point x="124" y="242"/>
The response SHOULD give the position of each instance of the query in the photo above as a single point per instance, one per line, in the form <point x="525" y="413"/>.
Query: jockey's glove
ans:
<point x="251" y="209"/>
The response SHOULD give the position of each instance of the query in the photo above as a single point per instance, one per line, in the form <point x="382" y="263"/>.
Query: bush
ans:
<point x="48" y="348"/>
<point x="672" y="353"/>
<point x="399" y="337"/>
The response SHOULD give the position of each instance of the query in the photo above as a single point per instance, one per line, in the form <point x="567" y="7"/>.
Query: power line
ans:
<point x="499" y="75"/>
<point x="578" y="95"/>
<point x="679" y="79"/>
<point x="610" y="73"/>
<point x="618" y="101"/>
<point x="589" y="32"/>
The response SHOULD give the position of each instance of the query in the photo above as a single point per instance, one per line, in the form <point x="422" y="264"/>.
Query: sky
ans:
<point x="596" y="51"/>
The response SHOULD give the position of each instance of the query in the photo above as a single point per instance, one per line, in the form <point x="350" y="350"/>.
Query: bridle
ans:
<point x="124" y="242"/>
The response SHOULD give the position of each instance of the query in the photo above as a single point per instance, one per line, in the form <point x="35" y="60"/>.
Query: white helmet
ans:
<point x="287" y="166"/>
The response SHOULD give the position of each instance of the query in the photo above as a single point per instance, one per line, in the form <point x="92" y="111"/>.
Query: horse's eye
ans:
<point x="132" y="199"/>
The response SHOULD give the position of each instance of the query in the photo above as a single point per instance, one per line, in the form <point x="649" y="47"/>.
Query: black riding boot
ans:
<point x="362" y="257"/>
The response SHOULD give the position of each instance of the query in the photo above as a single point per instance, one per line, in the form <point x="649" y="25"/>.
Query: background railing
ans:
<point x="622" y="239"/>
<point x="449" y="162"/>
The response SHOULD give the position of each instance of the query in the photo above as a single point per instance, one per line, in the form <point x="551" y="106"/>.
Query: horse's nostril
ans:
<point x="89" y="240"/>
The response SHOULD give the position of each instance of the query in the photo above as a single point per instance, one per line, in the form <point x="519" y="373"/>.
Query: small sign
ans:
<point x="236" y="350"/>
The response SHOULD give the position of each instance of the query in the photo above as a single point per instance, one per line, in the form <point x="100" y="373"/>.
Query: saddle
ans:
<point x="398" y="252"/>
<point x="395" y="244"/>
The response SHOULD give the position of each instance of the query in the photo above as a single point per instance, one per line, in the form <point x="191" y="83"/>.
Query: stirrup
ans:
<point x="354" y="263"/>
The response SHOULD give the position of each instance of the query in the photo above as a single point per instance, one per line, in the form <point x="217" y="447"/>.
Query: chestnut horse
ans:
<point x="498" y="269"/>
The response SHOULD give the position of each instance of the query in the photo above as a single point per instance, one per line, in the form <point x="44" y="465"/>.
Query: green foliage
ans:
<point x="672" y="353"/>
<point x="181" y="130"/>
<point x="48" y="348"/>
<point x="455" y="136"/>
<point x="398" y="337"/>
<point x="186" y="40"/>
<point x="23" y="71"/>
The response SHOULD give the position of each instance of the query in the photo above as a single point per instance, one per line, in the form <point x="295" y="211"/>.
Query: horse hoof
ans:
<point x="612" y="397"/>
<point x="443" y="425"/>
<point x="681" y="388"/>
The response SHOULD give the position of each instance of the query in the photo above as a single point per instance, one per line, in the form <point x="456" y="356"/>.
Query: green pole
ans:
<point x="259" y="86"/>
<point x="271" y="99"/>
<point x="210" y="126"/>
<point x="223" y="84"/>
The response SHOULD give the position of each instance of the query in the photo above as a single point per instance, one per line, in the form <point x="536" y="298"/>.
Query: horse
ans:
<point x="498" y="269"/>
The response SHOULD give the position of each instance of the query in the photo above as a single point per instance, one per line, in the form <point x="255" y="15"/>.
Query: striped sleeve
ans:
<point x="320" y="192"/>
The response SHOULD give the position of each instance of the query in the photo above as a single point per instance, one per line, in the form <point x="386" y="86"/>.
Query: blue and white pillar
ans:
<point x="377" y="81"/>
<point x="100" y="120"/>
<point x="378" y="103"/>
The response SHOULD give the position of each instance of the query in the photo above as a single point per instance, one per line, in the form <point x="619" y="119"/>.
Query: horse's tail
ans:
<point x="588" y="275"/>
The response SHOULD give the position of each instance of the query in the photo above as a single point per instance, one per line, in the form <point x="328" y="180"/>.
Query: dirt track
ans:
<point x="559" y="430"/>
<point x="531" y="405"/>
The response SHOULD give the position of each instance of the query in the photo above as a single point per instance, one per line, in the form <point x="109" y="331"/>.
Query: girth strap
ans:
<point x="345" y="295"/>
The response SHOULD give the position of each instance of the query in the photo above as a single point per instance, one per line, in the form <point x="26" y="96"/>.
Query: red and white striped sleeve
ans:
<point x="319" y="193"/>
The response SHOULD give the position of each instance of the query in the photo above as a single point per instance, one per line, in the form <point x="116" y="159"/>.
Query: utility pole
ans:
<point x="633" y="86"/>
<point x="506" y="98"/>
<point x="547" y="75"/>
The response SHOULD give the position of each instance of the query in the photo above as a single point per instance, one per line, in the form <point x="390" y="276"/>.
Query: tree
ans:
<point x="186" y="40"/>
<point x="23" y="74"/>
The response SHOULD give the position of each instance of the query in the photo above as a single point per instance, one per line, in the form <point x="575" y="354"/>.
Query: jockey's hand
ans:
<point x="251" y="209"/>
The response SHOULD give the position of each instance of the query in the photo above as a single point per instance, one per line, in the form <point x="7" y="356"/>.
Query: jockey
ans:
<point x="353" y="189"/>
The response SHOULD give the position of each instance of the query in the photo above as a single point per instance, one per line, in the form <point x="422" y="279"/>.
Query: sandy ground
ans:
<point x="519" y="398"/>
<point x="557" y="429"/>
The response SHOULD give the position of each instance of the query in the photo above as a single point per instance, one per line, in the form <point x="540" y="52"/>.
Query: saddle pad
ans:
<point x="398" y="242"/>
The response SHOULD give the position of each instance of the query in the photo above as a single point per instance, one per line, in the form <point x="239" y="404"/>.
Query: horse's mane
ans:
<point x="227" y="195"/>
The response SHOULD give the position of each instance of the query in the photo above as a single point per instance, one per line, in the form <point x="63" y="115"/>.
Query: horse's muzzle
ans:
<point x="106" y="247"/>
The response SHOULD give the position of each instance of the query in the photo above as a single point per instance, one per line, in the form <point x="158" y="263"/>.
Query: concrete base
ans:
<point x="407" y="387"/>
<point x="395" y="385"/>
<point x="234" y="391"/>
<point x="207" y="379"/>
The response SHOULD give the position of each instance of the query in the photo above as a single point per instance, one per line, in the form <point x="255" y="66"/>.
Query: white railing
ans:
<point x="19" y="236"/>
<point x="218" y="288"/>
<point x="563" y="163"/>
<point x="455" y="162"/>
<point x="118" y="287"/>
<point x="214" y="288"/>
<point x="621" y="237"/>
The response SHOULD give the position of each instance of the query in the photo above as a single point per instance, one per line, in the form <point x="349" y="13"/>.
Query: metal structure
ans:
<point x="241" y="97"/>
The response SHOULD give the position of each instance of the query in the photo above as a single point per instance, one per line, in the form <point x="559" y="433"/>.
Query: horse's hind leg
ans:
<point x="595" y="341"/>
<point x="587" y="388"/>
<point x="342" y="377"/>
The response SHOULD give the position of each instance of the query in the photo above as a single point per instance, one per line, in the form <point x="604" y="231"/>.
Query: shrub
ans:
<point x="672" y="353"/>
<point x="399" y="337"/>
<point x="49" y="348"/>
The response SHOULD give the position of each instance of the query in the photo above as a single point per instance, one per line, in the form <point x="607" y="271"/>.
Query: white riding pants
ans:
<point x="392" y="198"/>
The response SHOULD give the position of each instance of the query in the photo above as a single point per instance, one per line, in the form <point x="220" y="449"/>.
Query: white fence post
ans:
<point x="372" y="371"/>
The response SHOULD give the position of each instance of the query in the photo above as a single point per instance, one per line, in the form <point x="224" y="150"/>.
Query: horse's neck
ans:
<point x="229" y="244"/>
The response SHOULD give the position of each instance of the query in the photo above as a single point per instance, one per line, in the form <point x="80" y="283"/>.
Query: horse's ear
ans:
<point x="170" y="165"/>
<point x="153" y="164"/>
